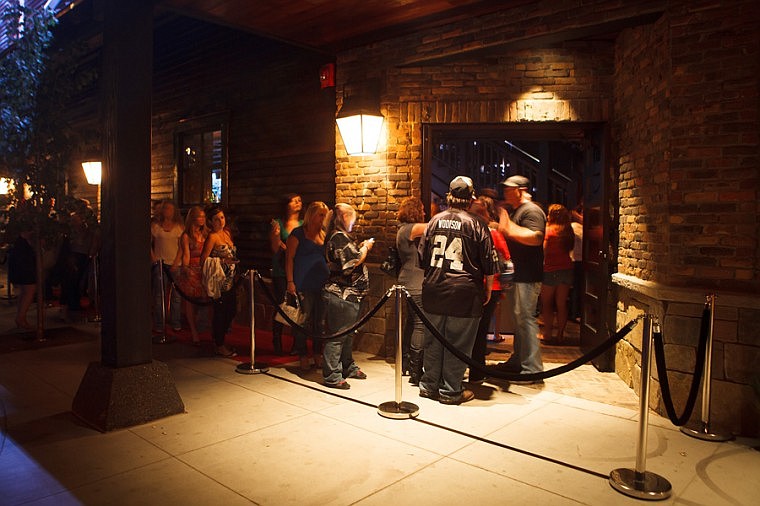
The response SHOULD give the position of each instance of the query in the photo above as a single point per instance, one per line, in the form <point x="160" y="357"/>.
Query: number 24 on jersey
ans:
<point x="451" y="251"/>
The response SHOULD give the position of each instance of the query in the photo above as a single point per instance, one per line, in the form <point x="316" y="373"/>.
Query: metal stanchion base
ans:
<point x="249" y="368"/>
<point x="398" y="410"/>
<point x="703" y="433"/>
<point x="162" y="339"/>
<point x="644" y="485"/>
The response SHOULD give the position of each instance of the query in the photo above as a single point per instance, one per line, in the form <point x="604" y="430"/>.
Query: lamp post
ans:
<point x="93" y="171"/>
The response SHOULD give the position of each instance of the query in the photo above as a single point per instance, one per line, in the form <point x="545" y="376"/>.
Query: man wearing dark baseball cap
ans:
<point x="516" y="182"/>
<point x="456" y="253"/>
<point x="524" y="232"/>
<point x="461" y="187"/>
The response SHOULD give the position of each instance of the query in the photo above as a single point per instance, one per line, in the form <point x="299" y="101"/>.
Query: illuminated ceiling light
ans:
<point x="92" y="171"/>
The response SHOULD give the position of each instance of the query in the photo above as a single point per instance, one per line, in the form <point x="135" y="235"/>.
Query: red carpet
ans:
<point x="240" y="339"/>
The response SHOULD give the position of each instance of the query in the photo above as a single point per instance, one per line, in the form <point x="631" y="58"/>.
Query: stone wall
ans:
<point x="735" y="406"/>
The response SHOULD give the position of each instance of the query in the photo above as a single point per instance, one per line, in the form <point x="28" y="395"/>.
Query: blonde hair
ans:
<point x="313" y="208"/>
<point x="192" y="214"/>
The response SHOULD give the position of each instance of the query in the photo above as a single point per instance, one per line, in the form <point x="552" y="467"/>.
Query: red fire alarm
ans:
<point x="327" y="75"/>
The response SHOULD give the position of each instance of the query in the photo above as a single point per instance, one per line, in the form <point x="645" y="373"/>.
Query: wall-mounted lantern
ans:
<point x="360" y="121"/>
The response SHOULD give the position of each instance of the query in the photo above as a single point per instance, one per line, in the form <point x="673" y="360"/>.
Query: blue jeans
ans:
<point x="522" y="298"/>
<point x="311" y="304"/>
<point x="174" y="299"/>
<point x="338" y="355"/>
<point x="443" y="372"/>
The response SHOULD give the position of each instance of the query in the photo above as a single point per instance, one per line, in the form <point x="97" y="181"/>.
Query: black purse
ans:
<point x="392" y="263"/>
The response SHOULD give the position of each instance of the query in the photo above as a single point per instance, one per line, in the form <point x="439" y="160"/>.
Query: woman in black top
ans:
<point x="346" y="287"/>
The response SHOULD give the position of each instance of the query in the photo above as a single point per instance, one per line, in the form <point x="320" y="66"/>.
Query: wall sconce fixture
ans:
<point x="360" y="123"/>
<point x="93" y="171"/>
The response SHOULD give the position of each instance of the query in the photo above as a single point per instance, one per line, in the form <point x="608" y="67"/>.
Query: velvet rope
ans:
<point x="662" y="372"/>
<point x="359" y="323"/>
<point x="198" y="301"/>
<point x="493" y="372"/>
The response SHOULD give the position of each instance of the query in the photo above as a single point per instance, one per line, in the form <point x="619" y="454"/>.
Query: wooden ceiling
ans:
<point x="334" y="25"/>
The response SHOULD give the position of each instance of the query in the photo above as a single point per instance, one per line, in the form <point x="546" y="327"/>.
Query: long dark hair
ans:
<point x="285" y="205"/>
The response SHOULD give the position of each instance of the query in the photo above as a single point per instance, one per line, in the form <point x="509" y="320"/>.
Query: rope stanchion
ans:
<point x="638" y="482"/>
<point x="398" y="409"/>
<point x="252" y="367"/>
<point x="161" y="339"/>
<point x="96" y="286"/>
<point x="198" y="301"/>
<point x="494" y="372"/>
<point x="353" y="328"/>
<point x="702" y="431"/>
<point x="662" y="371"/>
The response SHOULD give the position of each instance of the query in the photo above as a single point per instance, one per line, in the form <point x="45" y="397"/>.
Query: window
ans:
<point x="201" y="162"/>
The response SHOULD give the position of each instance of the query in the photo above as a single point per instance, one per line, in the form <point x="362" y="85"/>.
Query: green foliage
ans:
<point x="39" y="76"/>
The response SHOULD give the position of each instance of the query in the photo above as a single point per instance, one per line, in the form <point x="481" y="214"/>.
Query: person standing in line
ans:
<point x="456" y="252"/>
<point x="189" y="261"/>
<point x="165" y="231"/>
<point x="306" y="272"/>
<point x="524" y="231"/>
<point x="344" y="293"/>
<point x="576" y="293"/>
<point x="219" y="276"/>
<point x="282" y="226"/>
<point x="411" y="216"/>
<point x="22" y="274"/>
<point x="558" y="272"/>
<point x="484" y="207"/>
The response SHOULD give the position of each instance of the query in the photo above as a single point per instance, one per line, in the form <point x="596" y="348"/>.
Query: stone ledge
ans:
<point x="661" y="292"/>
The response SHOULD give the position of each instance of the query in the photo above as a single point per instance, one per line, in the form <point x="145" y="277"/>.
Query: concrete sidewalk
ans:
<point x="283" y="438"/>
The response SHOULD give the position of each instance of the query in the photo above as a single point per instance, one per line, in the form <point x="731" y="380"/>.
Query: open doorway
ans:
<point x="566" y="164"/>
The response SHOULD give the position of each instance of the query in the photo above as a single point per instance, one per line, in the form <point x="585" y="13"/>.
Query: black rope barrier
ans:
<point x="358" y="324"/>
<point x="494" y="372"/>
<point x="662" y="372"/>
<point x="198" y="301"/>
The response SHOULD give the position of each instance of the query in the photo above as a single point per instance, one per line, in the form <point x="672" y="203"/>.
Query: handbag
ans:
<point x="294" y="312"/>
<point x="392" y="263"/>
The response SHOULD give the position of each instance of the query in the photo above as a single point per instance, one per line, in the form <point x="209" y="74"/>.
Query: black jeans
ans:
<point x="225" y="308"/>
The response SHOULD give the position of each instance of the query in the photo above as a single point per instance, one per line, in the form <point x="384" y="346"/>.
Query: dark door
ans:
<point x="596" y="258"/>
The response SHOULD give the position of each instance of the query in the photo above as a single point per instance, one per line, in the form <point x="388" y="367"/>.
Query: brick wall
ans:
<point x="687" y="120"/>
<point x="681" y="96"/>
<point x="571" y="82"/>
<point x="686" y="123"/>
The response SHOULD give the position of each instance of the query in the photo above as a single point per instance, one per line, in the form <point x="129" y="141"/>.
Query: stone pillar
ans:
<point x="126" y="387"/>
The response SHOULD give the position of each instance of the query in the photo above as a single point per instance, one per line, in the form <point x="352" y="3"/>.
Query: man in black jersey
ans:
<point x="456" y="252"/>
<point x="523" y="228"/>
